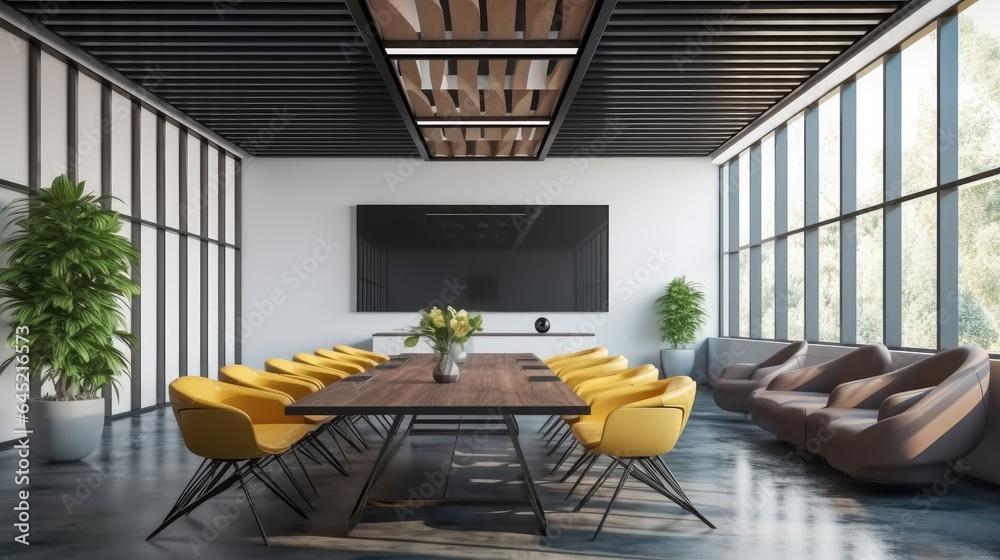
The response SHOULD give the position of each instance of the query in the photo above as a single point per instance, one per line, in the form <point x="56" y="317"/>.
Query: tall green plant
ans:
<point x="682" y="312"/>
<point x="66" y="280"/>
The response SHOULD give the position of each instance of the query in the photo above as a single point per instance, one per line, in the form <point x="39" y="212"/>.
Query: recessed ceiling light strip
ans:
<point x="486" y="52"/>
<point x="483" y="122"/>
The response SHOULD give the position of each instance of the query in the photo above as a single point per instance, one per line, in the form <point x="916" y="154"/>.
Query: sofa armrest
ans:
<point x="869" y="393"/>
<point x="901" y="402"/>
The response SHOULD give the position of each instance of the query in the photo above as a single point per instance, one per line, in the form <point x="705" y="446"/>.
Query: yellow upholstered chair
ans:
<point x="319" y="361"/>
<point x="295" y="389"/>
<point x="374" y="356"/>
<point x="337" y="365"/>
<point x="590" y="390"/>
<point x="593" y="370"/>
<point x="237" y="430"/>
<point x="645" y="373"/>
<point x="634" y="427"/>
<point x="366" y="363"/>
<point x="595" y="352"/>
<point x="322" y="377"/>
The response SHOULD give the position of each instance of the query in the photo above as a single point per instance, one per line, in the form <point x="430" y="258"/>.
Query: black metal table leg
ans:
<point x="536" y="503"/>
<point x="380" y="462"/>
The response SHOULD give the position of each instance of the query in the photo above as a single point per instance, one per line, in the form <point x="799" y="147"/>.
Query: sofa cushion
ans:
<point x="783" y="413"/>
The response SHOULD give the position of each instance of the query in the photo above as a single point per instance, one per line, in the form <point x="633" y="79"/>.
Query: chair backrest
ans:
<point x="216" y="419"/>
<point x="589" y="353"/>
<point x="608" y="363"/>
<point x="322" y="376"/>
<point x="793" y="350"/>
<point x="650" y="426"/>
<point x="595" y="368"/>
<point x="374" y="356"/>
<point x="244" y="376"/>
<point x="334" y="365"/>
<point x="365" y="363"/>
<point x="588" y="390"/>
<point x="864" y="362"/>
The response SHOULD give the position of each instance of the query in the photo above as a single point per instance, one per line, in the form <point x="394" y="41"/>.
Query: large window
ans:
<point x="979" y="265"/>
<point x="796" y="172"/>
<point x="881" y="267"/>
<point x="868" y="228"/>
<point x="829" y="157"/>
<point x="919" y="107"/>
<point x="978" y="87"/>
<point x="869" y="125"/>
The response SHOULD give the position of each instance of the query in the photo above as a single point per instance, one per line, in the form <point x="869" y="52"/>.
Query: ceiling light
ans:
<point x="498" y="52"/>
<point x="483" y="122"/>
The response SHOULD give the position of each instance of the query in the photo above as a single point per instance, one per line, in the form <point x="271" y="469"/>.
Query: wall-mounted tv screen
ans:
<point x="483" y="258"/>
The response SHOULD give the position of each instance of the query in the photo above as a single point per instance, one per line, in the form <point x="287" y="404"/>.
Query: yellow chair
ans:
<point x="595" y="369"/>
<point x="320" y="376"/>
<point x="335" y="364"/>
<point x="346" y="358"/>
<point x="374" y="356"/>
<point x="595" y="352"/>
<point x="591" y="389"/>
<point x="319" y="361"/>
<point x="234" y="429"/>
<point x="295" y="389"/>
<point x="575" y="362"/>
<point x="645" y="373"/>
<point x="644" y="422"/>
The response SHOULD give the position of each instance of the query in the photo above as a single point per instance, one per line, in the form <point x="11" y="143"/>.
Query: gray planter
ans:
<point x="678" y="361"/>
<point x="65" y="430"/>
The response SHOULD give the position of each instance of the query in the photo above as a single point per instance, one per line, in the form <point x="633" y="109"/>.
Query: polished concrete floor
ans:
<point x="767" y="501"/>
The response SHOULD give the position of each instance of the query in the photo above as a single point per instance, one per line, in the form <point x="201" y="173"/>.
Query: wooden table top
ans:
<point x="487" y="384"/>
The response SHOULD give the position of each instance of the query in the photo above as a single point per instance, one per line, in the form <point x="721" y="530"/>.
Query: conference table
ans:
<point x="490" y="386"/>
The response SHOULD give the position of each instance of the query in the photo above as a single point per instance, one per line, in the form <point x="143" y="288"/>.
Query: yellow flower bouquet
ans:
<point x="442" y="328"/>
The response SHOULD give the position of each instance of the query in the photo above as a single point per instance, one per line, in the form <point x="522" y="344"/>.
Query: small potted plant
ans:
<point x="446" y="331"/>
<point x="682" y="315"/>
<point x="65" y="284"/>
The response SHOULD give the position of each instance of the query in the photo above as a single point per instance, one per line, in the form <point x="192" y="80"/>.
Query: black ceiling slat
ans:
<point x="232" y="65"/>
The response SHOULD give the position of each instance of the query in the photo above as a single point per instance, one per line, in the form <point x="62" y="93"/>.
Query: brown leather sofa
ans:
<point x="737" y="381"/>
<point x="781" y="408"/>
<point x="906" y="426"/>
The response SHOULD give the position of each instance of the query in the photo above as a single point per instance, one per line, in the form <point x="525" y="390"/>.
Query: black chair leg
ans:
<point x="597" y="485"/>
<point x="565" y="456"/>
<point x="614" y="497"/>
<point x="298" y="459"/>
<point x="586" y="471"/>
<point x="295" y="483"/>
<point x="246" y="491"/>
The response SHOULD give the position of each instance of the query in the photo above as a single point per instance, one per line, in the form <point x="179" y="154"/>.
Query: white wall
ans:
<point x="663" y="223"/>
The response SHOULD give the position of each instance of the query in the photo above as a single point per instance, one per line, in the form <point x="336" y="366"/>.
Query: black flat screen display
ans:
<point x="482" y="258"/>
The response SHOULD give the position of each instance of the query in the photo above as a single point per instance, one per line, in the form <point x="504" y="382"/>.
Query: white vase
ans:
<point x="457" y="352"/>
<point x="446" y="370"/>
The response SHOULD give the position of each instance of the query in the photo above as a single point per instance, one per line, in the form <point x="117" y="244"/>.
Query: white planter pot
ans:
<point x="678" y="361"/>
<point x="65" y="430"/>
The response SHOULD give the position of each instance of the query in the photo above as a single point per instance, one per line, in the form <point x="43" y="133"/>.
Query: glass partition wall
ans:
<point x="874" y="215"/>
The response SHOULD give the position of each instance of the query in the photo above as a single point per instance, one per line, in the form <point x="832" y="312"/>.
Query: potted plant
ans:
<point x="65" y="283"/>
<point x="682" y="315"/>
<point x="446" y="331"/>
